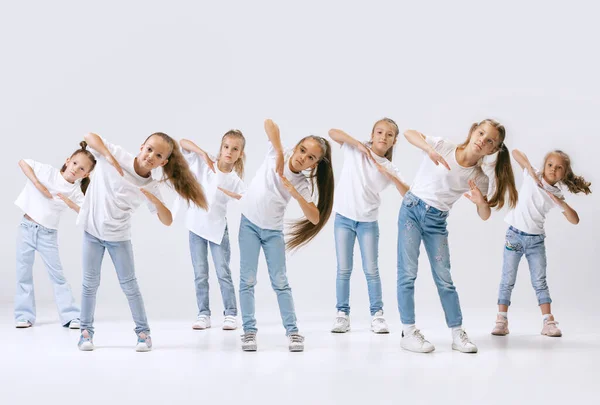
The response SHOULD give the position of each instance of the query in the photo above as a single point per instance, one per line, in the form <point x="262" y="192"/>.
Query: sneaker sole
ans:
<point x="296" y="349"/>
<point x="500" y="334"/>
<point x="418" y="351"/>
<point x="458" y="349"/>
<point x="23" y="326"/>
<point x="142" y="349"/>
<point x="86" y="347"/>
<point x="229" y="327"/>
<point x="545" y="334"/>
<point x="340" y="330"/>
<point x="249" y="348"/>
<point x="199" y="328"/>
<point x="381" y="332"/>
<point x="75" y="327"/>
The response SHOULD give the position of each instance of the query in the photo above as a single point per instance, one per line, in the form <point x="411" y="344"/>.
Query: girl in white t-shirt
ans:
<point x="47" y="193"/>
<point x="222" y="182"/>
<point x="447" y="172"/>
<point x="279" y="178"/>
<point x="367" y="171"/>
<point x="539" y="193"/>
<point x="122" y="182"/>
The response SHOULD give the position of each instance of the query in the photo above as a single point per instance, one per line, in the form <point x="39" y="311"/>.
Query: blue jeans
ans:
<point x="532" y="246"/>
<point x="418" y="221"/>
<point x="251" y="238"/>
<point x="346" y="232"/>
<point x="31" y="237"/>
<point x="221" y="255"/>
<point x="121" y="254"/>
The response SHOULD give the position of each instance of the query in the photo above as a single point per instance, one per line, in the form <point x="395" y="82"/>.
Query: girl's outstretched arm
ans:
<point x="29" y="173"/>
<point x="192" y="147"/>
<point x="95" y="142"/>
<point x="69" y="202"/>
<point x="341" y="137"/>
<point x="164" y="214"/>
<point x="310" y="210"/>
<point x="401" y="186"/>
<point x="476" y="197"/>
<point x="523" y="161"/>
<point x="230" y="193"/>
<point x="418" y="139"/>
<point x="274" y="136"/>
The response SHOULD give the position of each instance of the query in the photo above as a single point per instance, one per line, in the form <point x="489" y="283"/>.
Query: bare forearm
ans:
<point x="28" y="172"/>
<point x="401" y="186"/>
<point x="164" y="214"/>
<point x="521" y="159"/>
<point x="95" y="142"/>
<point x="191" y="146"/>
<point x="273" y="134"/>
<point x="571" y="214"/>
<point x="341" y="137"/>
<point x="311" y="212"/>
<point x="484" y="211"/>
<point x="417" y="139"/>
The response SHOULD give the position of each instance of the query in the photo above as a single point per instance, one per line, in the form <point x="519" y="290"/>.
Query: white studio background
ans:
<point x="197" y="69"/>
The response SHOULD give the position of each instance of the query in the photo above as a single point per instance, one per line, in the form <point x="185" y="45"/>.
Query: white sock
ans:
<point x="456" y="329"/>
<point x="545" y="317"/>
<point x="504" y="314"/>
<point x="408" y="329"/>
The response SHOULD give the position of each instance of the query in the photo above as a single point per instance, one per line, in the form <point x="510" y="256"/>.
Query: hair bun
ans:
<point x="83" y="145"/>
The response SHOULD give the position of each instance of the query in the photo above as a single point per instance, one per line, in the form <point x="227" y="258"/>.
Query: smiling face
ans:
<point x="154" y="153"/>
<point x="485" y="140"/>
<point x="231" y="149"/>
<point x="77" y="167"/>
<point x="554" y="168"/>
<point x="306" y="155"/>
<point x="383" y="137"/>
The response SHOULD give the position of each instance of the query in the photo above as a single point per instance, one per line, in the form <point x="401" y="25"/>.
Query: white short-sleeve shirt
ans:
<point x="111" y="198"/>
<point x="47" y="211"/>
<point x="358" y="187"/>
<point x="266" y="198"/>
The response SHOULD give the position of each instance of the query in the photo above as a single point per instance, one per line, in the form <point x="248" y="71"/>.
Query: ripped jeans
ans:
<point x="516" y="245"/>
<point x="419" y="221"/>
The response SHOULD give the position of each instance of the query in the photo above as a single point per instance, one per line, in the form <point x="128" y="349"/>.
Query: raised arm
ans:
<point x="30" y="174"/>
<point x="273" y="134"/>
<point x="418" y="139"/>
<point x="95" y="142"/>
<point x="192" y="147"/>
<point x="523" y="161"/>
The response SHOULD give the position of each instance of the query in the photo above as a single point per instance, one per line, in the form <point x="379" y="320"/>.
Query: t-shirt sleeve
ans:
<point x="118" y="152"/>
<point x="483" y="183"/>
<point x="305" y="191"/>
<point x="435" y="142"/>
<point x="78" y="197"/>
<point x="154" y="189"/>
<point x="35" y="166"/>
<point x="190" y="157"/>
<point x="395" y="171"/>
<point x="240" y="187"/>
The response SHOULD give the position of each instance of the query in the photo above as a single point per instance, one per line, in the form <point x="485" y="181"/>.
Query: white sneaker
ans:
<point x="249" y="342"/>
<point x="416" y="342"/>
<point x="296" y="342"/>
<point x="461" y="342"/>
<point x="378" y="323"/>
<point x="229" y="323"/>
<point x="23" y="324"/>
<point x="342" y="323"/>
<point x="202" y="322"/>
<point x="144" y="343"/>
<point x="86" y="342"/>
<point x="74" y="324"/>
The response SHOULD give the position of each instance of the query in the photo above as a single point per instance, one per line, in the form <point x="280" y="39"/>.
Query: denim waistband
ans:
<point x="32" y="224"/>
<point x="428" y="207"/>
<point x="515" y="230"/>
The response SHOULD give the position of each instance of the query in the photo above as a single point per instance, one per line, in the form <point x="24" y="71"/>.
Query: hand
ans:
<point x="437" y="158"/>
<point x="43" y="190"/>
<point x="554" y="198"/>
<point x="113" y="162"/>
<point x="476" y="196"/>
<point x="150" y="196"/>
<point x="208" y="161"/>
<point x="535" y="177"/>
<point x="382" y="169"/>
<point x="230" y="193"/>
<point x="290" y="187"/>
<point x="279" y="164"/>
<point x="67" y="200"/>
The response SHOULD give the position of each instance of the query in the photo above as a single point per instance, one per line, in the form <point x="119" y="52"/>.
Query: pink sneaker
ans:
<point x="550" y="329"/>
<point x="501" y="328"/>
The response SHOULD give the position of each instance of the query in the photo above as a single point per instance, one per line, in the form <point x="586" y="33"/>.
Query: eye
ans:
<point x="489" y="141"/>
<point x="311" y="158"/>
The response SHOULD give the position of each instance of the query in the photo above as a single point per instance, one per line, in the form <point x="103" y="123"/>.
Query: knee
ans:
<point x="247" y="282"/>
<point x="372" y="273"/>
<point x="280" y="282"/>
<point x="344" y="272"/>
<point x="130" y="286"/>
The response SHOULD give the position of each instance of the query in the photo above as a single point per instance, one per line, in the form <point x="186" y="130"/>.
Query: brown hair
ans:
<point x="575" y="184"/>
<point x="238" y="166"/>
<point x="303" y="231"/>
<point x="85" y="182"/>
<point x="177" y="172"/>
<point x="505" y="179"/>
<point x="390" y="152"/>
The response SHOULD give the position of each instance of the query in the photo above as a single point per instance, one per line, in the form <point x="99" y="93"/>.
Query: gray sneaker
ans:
<point x="296" y="342"/>
<point x="249" y="342"/>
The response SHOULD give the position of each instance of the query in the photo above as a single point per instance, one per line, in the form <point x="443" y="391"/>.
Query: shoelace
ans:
<point x="463" y="337"/>
<point x="341" y="320"/>
<point x="378" y="319"/>
<point x="248" y="337"/>
<point x="296" y="338"/>
<point x="419" y="336"/>
<point x="551" y="323"/>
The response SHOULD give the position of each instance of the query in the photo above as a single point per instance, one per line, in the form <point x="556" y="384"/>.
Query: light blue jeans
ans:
<point x="418" y="221"/>
<point x="532" y="246"/>
<point x="251" y="238"/>
<point x="31" y="237"/>
<point x="121" y="254"/>
<point x="346" y="232"/>
<point x="221" y="255"/>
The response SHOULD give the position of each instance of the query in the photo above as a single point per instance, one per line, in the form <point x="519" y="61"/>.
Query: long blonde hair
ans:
<point x="238" y="166"/>
<point x="390" y="152"/>
<point x="575" y="184"/>
<point x="505" y="178"/>
<point x="178" y="174"/>
<point x="303" y="231"/>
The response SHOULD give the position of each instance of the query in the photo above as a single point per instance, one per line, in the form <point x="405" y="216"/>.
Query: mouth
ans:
<point x="298" y="163"/>
<point x="478" y="147"/>
<point x="72" y="174"/>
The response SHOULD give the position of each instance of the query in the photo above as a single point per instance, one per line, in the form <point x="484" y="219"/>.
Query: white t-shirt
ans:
<point x="112" y="199"/>
<point x="530" y="213"/>
<point x="266" y="199"/>
<point x="440" y="187"/>
<point x="210" y="224"/>
<point x="357" y="192"/>
<point x="43" y="210"/>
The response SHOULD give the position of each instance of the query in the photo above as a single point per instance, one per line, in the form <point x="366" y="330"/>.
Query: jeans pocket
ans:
<point x="512" y="242"/>
<point x="409" y="201"/>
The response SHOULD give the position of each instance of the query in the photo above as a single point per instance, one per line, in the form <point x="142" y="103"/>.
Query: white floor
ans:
<point x="42" y="365"/>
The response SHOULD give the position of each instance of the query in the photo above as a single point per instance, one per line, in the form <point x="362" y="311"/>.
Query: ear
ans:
<point x="164" y="163"/>
<point x="86" y="175"/>
<point x="142" y="147"/>
<point x="68" y="160"/>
